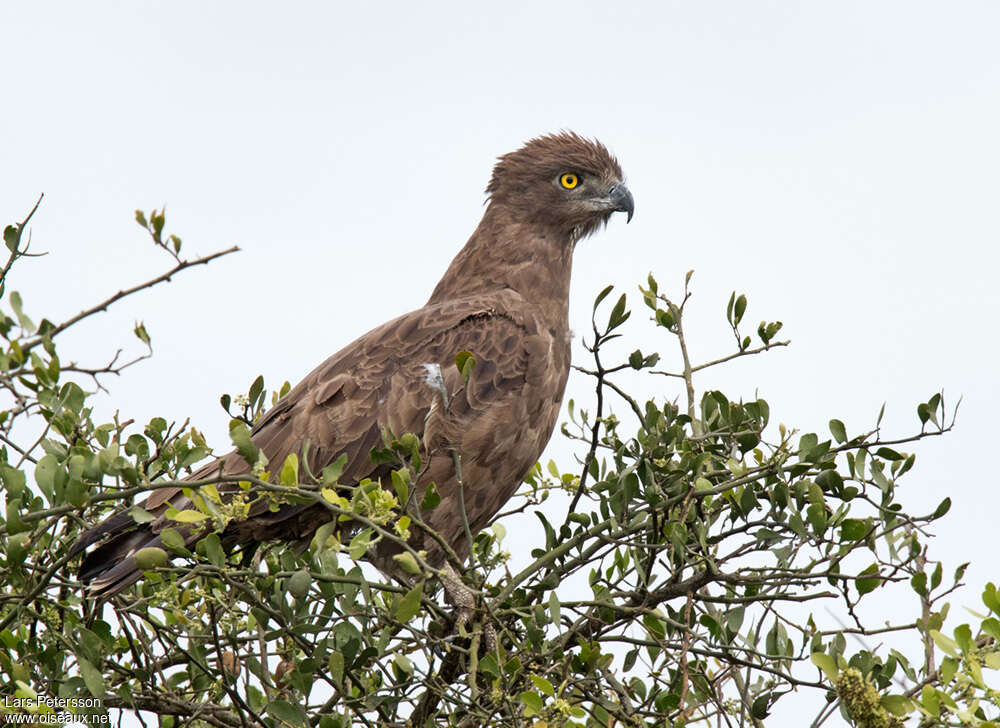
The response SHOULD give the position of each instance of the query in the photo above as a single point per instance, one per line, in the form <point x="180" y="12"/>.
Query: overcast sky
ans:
<point x="837" y="162"/>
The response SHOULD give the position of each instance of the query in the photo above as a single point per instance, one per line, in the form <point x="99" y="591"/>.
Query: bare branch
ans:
<point x="103" y="306"/>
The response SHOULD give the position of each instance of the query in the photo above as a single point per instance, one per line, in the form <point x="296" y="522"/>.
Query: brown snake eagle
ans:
<point x="504" y="298"/>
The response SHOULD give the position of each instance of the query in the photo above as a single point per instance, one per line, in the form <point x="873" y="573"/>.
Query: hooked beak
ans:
<point x="621" y="200"/>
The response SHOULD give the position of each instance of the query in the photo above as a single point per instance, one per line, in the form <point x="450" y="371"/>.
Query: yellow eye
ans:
<point x="569" y="180"/>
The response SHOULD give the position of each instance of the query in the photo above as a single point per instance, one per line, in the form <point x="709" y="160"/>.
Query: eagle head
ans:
<point x="563" y="181"/>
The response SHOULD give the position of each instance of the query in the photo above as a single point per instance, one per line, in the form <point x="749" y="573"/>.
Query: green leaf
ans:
<point x="630" y="659"/>
<point x="923" y="412"/>
<point x="654" y="625"/>
<point x="838" y="431"/>
<point x="359" y="544"/>
<point x="947" y="644"/>
<point x="853" y="529"/>
<point x="173" y="541"/>
<point x="602" y="295"/>
<point x="405" y="664"/>
<point x="10" y="237"/>
<point x="618" y="314"/>
<point x="827" y="664"/>
<point x="898" y="704"/>
<point x="943" y="507"/>
<point x="92" y="677"/>
<point x="766" y="331"/>
<point x="331" y="473"/>
<point x="14" y="481"/>
<point x="409" y="605"/>
<point x="158" y="220"/>
<point x="141" y="515"/>
<point x="929" y="699"/>
<point x="817" y="516"/>
<point x="298" y="583"/>
<point x="290" y="470"/>
<point x="239" y="433"/>
<point x="155" y="429"/>
<point x="331" y="495"/>
<point x="936" y="576"/>
<point x="734" y="618"/>
<point x="949" y="666"/>
<point x="466" y="362"/>
<point x="256" y="389"/>
<point x="934" y="403"/>
<point x="15" y="303"/>
<point x="544" y="685"/>
<point x="185" y="516"/>
<point x="287" y="713"/>
<point x="407" y="563"/>
<point x="431" y="498"/>
<point x="889" y="454"/>
<point x="991" y="598"/>
<point x="866" y="585"/>
<point x="211" y="546"/>
<point x="150" y="558"/>
<point x="807" y="442"/>
<point x="759" y="708"/>
<point x="963" y="636"/>
<point x="401" y="483"/>
<point x="991" y="627"/>
<point x="554" y="608"/>
<point x="50" y="476"/>
<point x="739" y="309"/>
<point x="17" y="548"/>
<point x="141" y="333"/>
<point x="830" y="481"/>
<point x="336" y="667"/>
<point x="532" y="703"/>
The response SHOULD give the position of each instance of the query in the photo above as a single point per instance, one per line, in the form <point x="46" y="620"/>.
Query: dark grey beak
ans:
<point x="622" y="200"/>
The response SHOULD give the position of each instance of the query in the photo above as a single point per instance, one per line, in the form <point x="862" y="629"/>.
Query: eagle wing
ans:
<point x="498" y="422"/>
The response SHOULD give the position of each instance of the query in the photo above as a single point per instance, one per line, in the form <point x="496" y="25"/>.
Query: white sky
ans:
<point x="837" y="162"/>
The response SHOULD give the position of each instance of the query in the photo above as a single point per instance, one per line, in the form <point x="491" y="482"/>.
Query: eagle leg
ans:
<point x="464" y="600"/>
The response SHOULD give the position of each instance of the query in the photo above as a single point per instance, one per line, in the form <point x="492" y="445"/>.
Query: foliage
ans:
<point x="677" y="587"/>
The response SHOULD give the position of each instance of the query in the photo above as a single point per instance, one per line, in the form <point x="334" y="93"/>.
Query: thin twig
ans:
<point x="724" y="359"/>
<point x="103" y="306"/>
<point x="15" y="251"/>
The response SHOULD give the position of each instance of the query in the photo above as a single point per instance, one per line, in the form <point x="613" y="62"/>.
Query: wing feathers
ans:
<point x="341" y="407"/>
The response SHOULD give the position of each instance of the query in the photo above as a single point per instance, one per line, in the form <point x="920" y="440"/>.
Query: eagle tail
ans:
<point x="111" y="567"/>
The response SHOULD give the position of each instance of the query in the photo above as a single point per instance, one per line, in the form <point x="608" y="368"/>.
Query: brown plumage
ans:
<point x="505" y="299"/>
